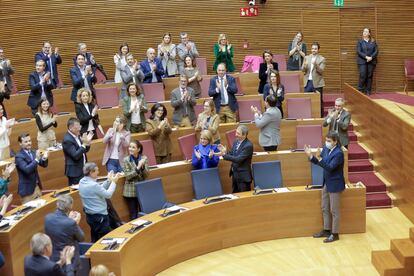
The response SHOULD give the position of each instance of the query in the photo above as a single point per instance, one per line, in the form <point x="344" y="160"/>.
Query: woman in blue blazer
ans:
<point x="203" y="154"/>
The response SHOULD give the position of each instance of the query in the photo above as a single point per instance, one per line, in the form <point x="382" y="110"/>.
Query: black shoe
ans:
<point x="333" y="237"/>
<point x="322" y="234"/>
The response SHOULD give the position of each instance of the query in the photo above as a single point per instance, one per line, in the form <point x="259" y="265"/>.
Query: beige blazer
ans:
<point x="317" y="72"/>
<point x="212" y="125"/>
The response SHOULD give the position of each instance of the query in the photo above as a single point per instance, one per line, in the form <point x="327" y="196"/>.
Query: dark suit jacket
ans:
<point x="36" y="91"/>
<point x="84" y="116"/>
<point x="63" y="231"/>
<point x="231" y="91"/>
<point x="364" y="49"/>
<point x="180" y="108"/>
<point x="263" y="75"/>
<point x="6" y="74"/>
<point x="2" y="260"/>
<point x="27" y="171"/>
<point x="88" y="60"/>
<point x="40" y="266"/>
<point x="267" y="90"/>
<point x="333" y="169"/>
<point x="73" y="156"/>
<point x="146" y="69"/>
<point x="78" y="82"/>
<point x="55" y="60"/>
<point x="241" y="161"/>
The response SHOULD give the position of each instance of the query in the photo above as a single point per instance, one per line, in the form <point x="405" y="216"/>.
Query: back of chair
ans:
<point x="281" y="62"/>
<point x="299" y="108"/>
<point x="239" y="87"/>
<point x="187" y="144"/>
<point x="206" y="183"/>
<point x="85" y="264"/>
<point x="292" y="83"/>
<point x="199" y="108"/>
<point x="107" y="96"/>
<point x="309" y="135"/>
<point x="230" y="137"/>
<point x="409" y="67"/>
<point x="317" y="175"/>
<point x="151" y="196"/>
<point x="148" y="151"/>
<point x="154" y="92"/>
<point x="205" y="84"/>
<point x="245" y="113"/>
<point x="202" y="65"/>
<point x="267" y="175"/>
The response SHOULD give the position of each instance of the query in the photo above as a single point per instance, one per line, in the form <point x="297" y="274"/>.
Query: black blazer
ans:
<point x="40" y="266"/>
<point x="364" y="49"/>
<point x="36" y="91"/>
<point x="263" y="75"/>
<point x="241" y="159"/>
<point x="74" y="156"/>
<point x="84" y="117"/>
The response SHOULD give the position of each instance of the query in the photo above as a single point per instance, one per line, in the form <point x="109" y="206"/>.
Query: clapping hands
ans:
<point x="87" y="138"/>
<point x="8" y="170"/>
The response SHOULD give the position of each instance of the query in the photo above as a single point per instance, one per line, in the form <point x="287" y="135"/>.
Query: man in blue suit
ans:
<point x="27" y="161"/>
<point x="223" y="89"/>
<point x="152" y="68"/>
<point x="82" y="77"/>
<point x="63" y="229"/>
<point x="38" y="264"/>
<point x="40" y="87"/>
<point x="331" y="159"/>
<point x="51" y="60"/>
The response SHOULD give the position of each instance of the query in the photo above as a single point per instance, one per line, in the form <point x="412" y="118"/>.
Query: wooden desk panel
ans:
<point x="207" y="228"/>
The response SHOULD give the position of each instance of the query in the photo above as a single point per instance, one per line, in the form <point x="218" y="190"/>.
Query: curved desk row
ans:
<point x="206" y="228"/>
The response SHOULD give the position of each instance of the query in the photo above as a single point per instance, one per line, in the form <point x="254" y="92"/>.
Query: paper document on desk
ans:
<point x="75" y="186"/>
<point x="176" y="208"/>
<point x="229" y="196"/>
<point x="4" y="222"/>
<point x="139" y="222"/>
<point x="282" y="190"/>
<point x="111" y="240"/>
<point x="35" y="203"/>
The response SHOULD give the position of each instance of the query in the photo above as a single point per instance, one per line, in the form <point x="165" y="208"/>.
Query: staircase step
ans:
<point x="370" y="180"/>
<point x="412" y="233"/>
<point x="386" y="263"/>
<point x="352" y="136"/>
<point x="378" y="200"/>
<point x="355" y="151"/>
<point x="360" y="165"/>
<point x="403" y="249"/>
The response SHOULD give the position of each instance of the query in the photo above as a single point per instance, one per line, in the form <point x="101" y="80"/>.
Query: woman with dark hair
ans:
<point x="265" y="68"/>
<point x="117" y="140"/>
<point x="134" y="106"/>
<point x="166" y="53"/>
<point x="135" y="169"/>
<point x="367" y="52"/>
<point x="120" y="60"/>
<point x="204" y="153"/>
<point x="297" y="52"/>
<point x="159" y="130"/>
<point x="87" y="112"/>
<point x="193" y="75"/>
<point x="45" y="122"/>
<point x="275" y="88"/>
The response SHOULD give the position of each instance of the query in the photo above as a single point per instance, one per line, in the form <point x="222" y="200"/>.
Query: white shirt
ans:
<point x="312" y="65"/>
<point x="135" y="115"/>
<point x="114" y="153"/>
<point x="90" y="125"/>
<point x="225" y="99"/>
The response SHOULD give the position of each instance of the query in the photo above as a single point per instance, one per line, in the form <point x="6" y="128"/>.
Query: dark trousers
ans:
<point x="136" y="128"/>
<point x="366" y="71"/>
<point x="310" y="88"/>
<point x="133" y="207"/>
<point x="281" y="109"/>
<point x="240" y="186"/>
<point x="270" y="148"/>
<point x="99" y="226"/>
<point x="113" y="165"/>
<point x="74" y="180"/>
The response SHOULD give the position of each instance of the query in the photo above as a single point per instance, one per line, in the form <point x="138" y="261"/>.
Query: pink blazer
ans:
<point x="109" y="140"/>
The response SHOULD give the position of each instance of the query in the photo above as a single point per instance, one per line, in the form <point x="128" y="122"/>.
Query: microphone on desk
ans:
<point x="167" y="205"/>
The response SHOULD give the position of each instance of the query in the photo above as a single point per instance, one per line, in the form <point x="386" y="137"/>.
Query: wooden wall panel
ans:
<point x="103" y="25"/>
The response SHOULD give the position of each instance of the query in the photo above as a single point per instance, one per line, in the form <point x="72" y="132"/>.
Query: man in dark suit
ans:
<point x="183" y="101"/>
<point x="241" y="157"/>
<point x="152" y="67"/>
<point x="223" y="89"/>
<point x="27" y="161"/>
<point x="40" y="87"/>
<point x="75" y="148"/>
<point x="6" y="70"/>
<point x="38" y="264"/>
<point x="51" y="60"/>
<point x="332" y="161"/>
<point x="82" y="77"/>
<point x="63" y="228"/>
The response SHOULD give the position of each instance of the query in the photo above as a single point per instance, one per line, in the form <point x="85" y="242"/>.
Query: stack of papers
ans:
<point x="111" y="240"/>
<point x="176" y="208"/>
<point x="229" y="196"/>
<point x="282" y="190"/>
<point x="35" y="203"/>
<point x="139" y="222"/>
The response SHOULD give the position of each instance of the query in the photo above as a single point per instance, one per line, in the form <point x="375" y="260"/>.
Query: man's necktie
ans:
<point x="223" y="100"/>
